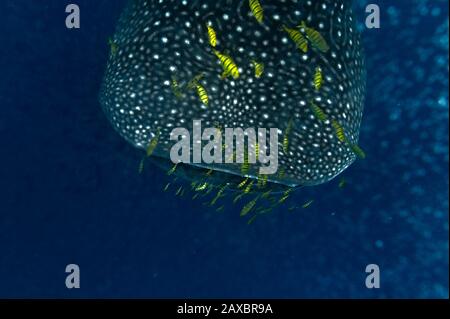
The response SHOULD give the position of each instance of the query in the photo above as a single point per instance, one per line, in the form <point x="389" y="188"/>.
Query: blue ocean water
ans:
<point x="70" y="191"/>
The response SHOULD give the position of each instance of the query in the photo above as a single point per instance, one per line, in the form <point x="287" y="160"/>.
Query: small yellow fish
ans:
<point x="307" y="204"/>
<point x="209" y="172"/>
<point x="265" y="210"/>
<point x="315" y="38"/>
<point x="285" y="195"/>
<point x="113" y="46"/>
<point x="358" y="151"/>
<point x="141" y="166"/>
<point x="342" y="183"/>
<point x="285" y="143"/>
<point x="218" y="126"/>
<point x="242" y="184"/>
<point x="224" y="147"/>
<point x="281" y="173"/>
<point x="229" y="66"/>
<point x="318" y="112"/>
<point x="287" y="132"/>
<point x="248" y="189"/>
<point x="318" y="78"/>
<point x="339" y="130"/>
<point x="273" y="200"/>
<point x="192" y="84"/>
<point x="238" y="197"/>
<point x="265" y="179"/>
<point x="176" y="88"/>
<point x="202" y="94"/>
<point x="257" y="151"/>
<point x="283" y="199"/>
<point x="245" y="167"/>
<point x="248" y="207"/>
<point x="259" y="68"/>
<point x="219" y="195"/>
<point x="257" y="10"/>
<point x="232" y="157"/>
<point x="251" y="220"/>
<point x="220" y="209"/>
<point x="201" y="91"/>
<point x="201" y="187"/>
<point x="262" y="180"/>
<point x="153" y="143"/>
<point x="214" y="201"/>
<point x="297" y="37"/>
<point x="212" y="35"/>
<point x="219" y="132"/>
<point x="179" y="191"/>
<point x="266" y="194"/>
<point x="172" y="170"/>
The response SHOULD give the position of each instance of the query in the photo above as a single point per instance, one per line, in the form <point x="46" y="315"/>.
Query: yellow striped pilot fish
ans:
<point x="212" y="36"/>
<point x="259" y="68"/>
<point x="203" y="95"/>
<point x="257" y="10"/>
<point x="318" y="112"/>
<point x="340" y="133"/>
<point x="229" y="66"/>
<point x="287" y="132"/>
<point x="316" y="39"/>
<point x="318" y="78"/>
<point x="298" y="38"/>
<point x="358" y="151"/>
<point x="153" y="143"/>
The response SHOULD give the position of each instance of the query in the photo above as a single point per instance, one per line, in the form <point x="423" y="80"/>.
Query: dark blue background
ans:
<point x="70" y="191"/>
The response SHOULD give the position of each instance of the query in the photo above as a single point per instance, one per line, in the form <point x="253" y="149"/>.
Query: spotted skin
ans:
<point x="160" y="40"/>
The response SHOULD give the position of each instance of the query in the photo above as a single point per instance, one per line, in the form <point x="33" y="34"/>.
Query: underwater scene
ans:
<point x="185" y="149"/>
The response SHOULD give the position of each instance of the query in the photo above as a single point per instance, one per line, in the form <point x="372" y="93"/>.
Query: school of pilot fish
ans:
<point x="295" y="65"/>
